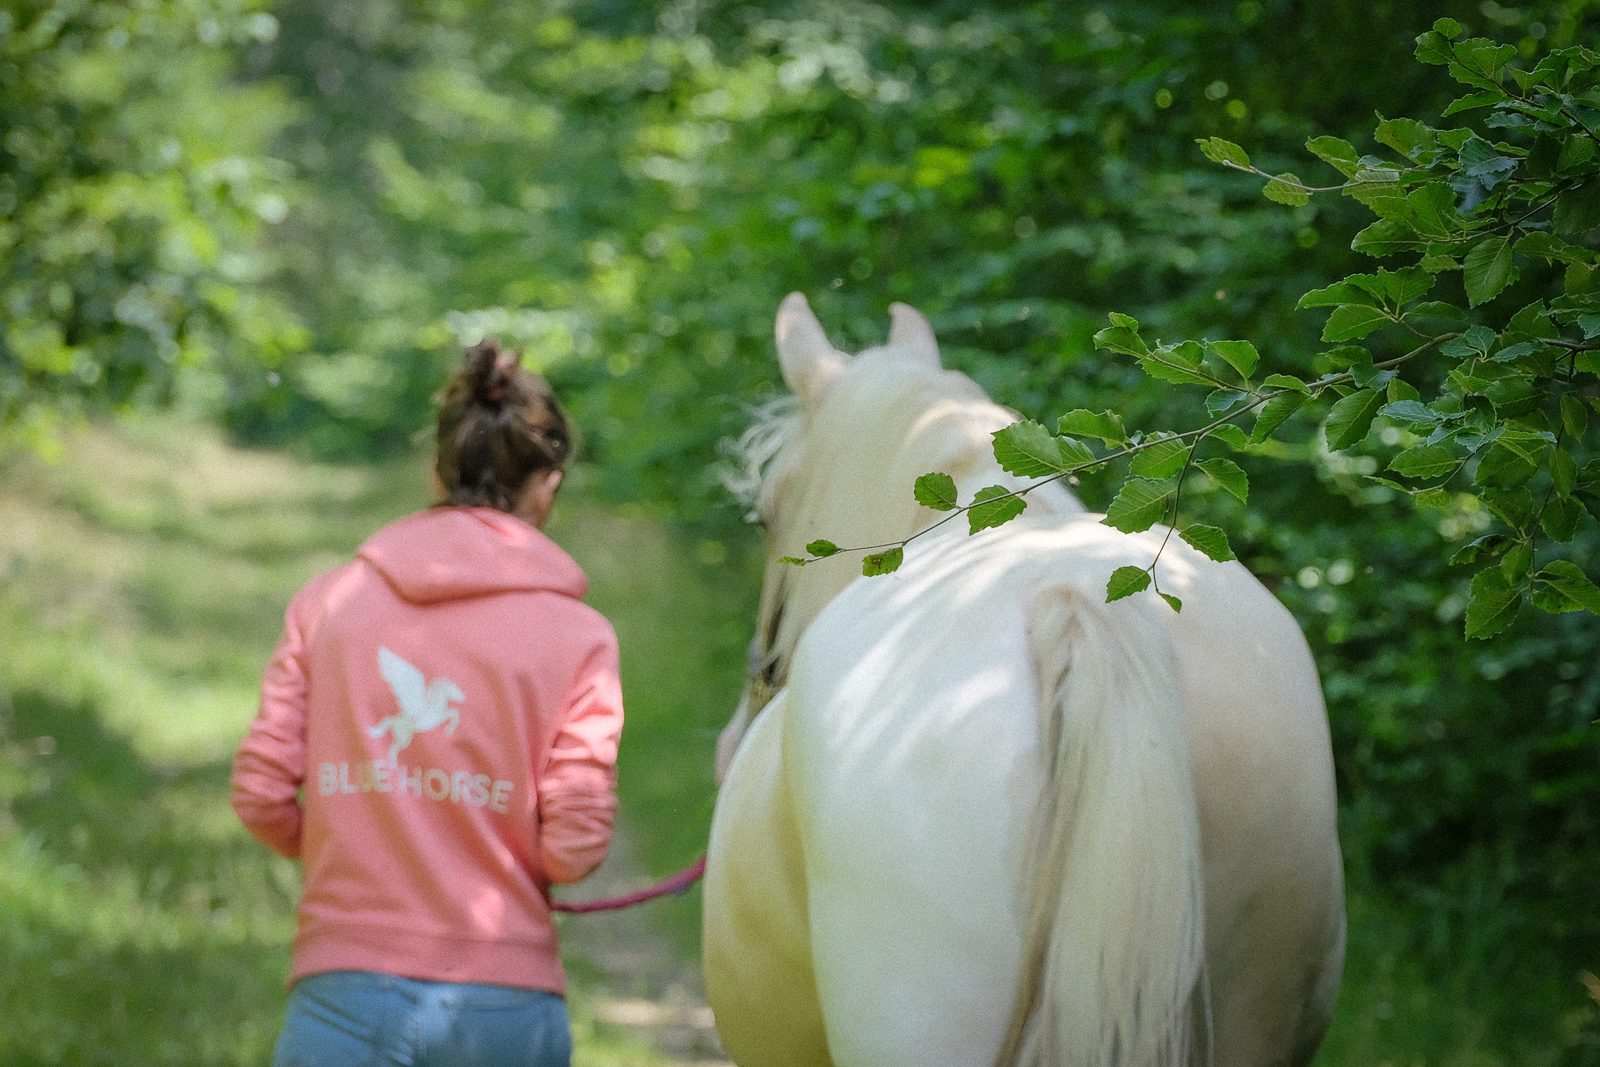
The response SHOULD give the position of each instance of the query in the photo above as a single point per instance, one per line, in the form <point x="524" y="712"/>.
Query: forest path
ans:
<point x="635" y="1000"/>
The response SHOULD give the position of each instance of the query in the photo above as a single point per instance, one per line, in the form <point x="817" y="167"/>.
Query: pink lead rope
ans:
<point x="676" y="886"/>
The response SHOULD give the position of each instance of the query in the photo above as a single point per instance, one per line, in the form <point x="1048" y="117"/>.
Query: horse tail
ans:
<point x="1113" y="962"/>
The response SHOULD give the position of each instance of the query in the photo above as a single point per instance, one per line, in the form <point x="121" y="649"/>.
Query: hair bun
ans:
<point x="489" y="370"/>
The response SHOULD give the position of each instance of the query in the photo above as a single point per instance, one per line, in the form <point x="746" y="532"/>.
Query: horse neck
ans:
<point x="850" y="478"/>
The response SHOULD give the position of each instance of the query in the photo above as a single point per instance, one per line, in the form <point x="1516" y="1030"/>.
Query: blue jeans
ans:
<point x="362" y="1019"/>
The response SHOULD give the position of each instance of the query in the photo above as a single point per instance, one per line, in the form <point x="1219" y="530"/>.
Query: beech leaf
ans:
<point x="936" y="490"/>
<point x="1210" y="540"/>
<point x="993" y="505"/>
<point x="1126" y="581"/>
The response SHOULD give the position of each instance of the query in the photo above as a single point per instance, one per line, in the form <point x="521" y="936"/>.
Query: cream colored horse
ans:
<point x="973" y="815"/>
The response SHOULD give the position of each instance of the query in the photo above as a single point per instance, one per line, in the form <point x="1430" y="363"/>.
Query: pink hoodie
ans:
<point x="452" y="710"/>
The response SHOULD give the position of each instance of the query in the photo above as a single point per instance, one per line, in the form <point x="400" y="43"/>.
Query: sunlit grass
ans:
<point x="142" y="586"/>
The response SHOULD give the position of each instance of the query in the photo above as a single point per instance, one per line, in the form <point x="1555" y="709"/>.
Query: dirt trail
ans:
<point x="635" y="1001"/>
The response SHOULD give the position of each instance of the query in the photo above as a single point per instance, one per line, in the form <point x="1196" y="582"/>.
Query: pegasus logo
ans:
<point x="423" y="704"/>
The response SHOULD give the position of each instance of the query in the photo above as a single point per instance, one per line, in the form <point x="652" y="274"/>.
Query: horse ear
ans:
<point x="908" y="329"/>
<point x="809" y="362"/>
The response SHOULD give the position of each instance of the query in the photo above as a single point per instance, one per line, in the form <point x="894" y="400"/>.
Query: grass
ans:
<point x="142" y="584"/>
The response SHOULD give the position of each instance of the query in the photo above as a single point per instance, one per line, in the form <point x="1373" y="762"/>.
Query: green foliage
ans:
<point x="1507" y="417"/>
<point x="134" y="185"/>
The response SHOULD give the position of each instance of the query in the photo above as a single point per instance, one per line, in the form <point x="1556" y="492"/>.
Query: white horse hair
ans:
<point x="970" y="813"/>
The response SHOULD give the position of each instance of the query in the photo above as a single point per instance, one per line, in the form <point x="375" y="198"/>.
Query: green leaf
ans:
<point x="1285" y="381"/>
<point x="1488" y="269"/>
<point x="1351" y="417"/>
<point x="1231" y="435"/>
<point x="1513" y="397"/>
<point x="1139" y="505"/>
<point x="878" y="563"/>
<point x="1433" y="47"/>
<point x="1219" y="151"/>
<point x="1381" y="192"/>
<point x="1126" y="581"/>
<point x="1344" y="292"/>
<point x="1074" y="453"/>
<point x="993" y="505"/>
<point x="1484" y="163"/>
<point x="1172" y="602"/>
<point x="1287" y="189"/>
<point x="822" y="549"/>
<point x="1028" y="450"/>
<point x="1448" y="27"/>
<point x="1424" y="461"/>
<point x="1560" y="519"/>
<point x="1515" y="563"/>
<point x="1224" y="400"/>
<point x="1344" y="357"/>
<point x="1121" y="337"/>
<point x="1337" y="153"/>
<point x="1479" y="60"/>
<point x="1469" y="553"/>
<point x="1229" y="475"/>
<point x="1210" y="540"/>
<point x="793" y="560"/>
<point x="1160" y="459"/>
<point x="1396" y="286"/>
<point x="1350" y="322"/>
<point x="1477" y="340"/>
<point x="1505" y="466"/>
<point x="1274" y="413"/>
<point x="1574" y="417"/>
<point x="936" y="490"/>
<point x="1413" y="411"/>
<point x="1494" y="604"/>
<point x="1407" y="136"/>
<point x="1179" y="364"/>
<point x="1399" y="389"/>
<point x="1571" y="581"/>
<point x="1549" y="247"/>
<point x="1512" y="353"/>
<point x="1514" y="506"/>
<point x="1435" y="498"/>
<point x="1563" y="471"/>
<point x="1578" y="210"/>
<point x="1386" y="237"/>
<point x="1240" y="355"/>
<point x="1433" y="210"/>
<point x="1477" y="100"/>
<point x="1106" y="425"/>
<point x="1436" y="309"/>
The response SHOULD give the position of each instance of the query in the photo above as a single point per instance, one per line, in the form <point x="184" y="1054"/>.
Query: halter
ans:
<point x="762" y="676"/>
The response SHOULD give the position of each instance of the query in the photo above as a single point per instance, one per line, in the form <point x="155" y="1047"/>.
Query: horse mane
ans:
<point x="842" y="469"/>
<point x="746" y="459"/>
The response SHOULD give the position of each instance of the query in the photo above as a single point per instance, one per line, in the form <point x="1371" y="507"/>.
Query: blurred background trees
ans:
<point x="288" y="214"/>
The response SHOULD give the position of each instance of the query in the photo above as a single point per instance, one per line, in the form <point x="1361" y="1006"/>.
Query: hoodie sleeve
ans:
<point x="577" y="791"/>
<point x="271" y="763"/>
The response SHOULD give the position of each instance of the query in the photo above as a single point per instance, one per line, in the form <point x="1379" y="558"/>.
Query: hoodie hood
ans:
<point x="454" y="553"/>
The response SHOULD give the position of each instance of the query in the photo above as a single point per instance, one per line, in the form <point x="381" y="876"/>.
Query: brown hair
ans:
<point x="499" y="424"/>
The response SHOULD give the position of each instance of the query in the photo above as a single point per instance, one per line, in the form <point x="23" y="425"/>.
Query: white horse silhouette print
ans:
<point x="422" y="705"/>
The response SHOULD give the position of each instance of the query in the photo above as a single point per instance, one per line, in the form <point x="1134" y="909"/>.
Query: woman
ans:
<point x="437" y="743"/>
